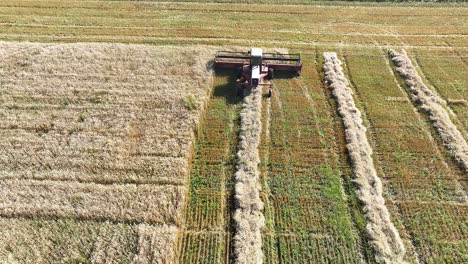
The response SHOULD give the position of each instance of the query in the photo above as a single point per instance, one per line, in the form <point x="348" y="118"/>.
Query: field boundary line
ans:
<point x="383" y="236"/>
<point x="185" y="6"/>
<point x="143" y="39"/>
<point x="96" y="182"/>
<point x="308" y="32"/>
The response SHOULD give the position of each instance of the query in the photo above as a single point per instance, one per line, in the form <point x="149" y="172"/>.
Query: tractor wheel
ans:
<point x="270" y="73"/>
<point x="239" y="72"/>
<point x="239" y="91"/>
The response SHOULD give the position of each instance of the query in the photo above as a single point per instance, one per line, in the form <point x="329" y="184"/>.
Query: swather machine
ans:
<point x="256" y="68"/>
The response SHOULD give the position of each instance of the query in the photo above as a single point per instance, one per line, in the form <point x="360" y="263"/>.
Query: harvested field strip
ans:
<point x="206" y="235"/>
<point x="203" y="6"/>
<point x="29" y="241"/>
<point x="219" y="41"/>
<point x="62" y="20"/>
<point x="333" y="137"/>
<point x="412" y="166"/>
<point x="430" y="103"/>
<point x="248" y="218"/>
<point x="304" y="188"/>
<point x="269" y="240"/>
<point x="382" y="233"/>
<point x="149" y="30"/>
<point x="147" y="35"/>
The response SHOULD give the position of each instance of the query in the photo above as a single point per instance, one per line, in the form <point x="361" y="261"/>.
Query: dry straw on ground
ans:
<point x="248" y="217"/>
<point x="94" y="133"/>
<point x="383" y="236"/>
<point x="99" y="112"/>
<point x="434" y="106"/>
<point x="155" y="245"/>
<point x="127" y="202"/>
<point x="70" y="241"/>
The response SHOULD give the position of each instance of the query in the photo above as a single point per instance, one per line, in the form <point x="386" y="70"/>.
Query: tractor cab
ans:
<point x="255" y="66"/>
<point x="256" y="56"/>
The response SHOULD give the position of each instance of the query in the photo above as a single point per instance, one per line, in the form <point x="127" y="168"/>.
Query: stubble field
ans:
<point x="120" y="153"/>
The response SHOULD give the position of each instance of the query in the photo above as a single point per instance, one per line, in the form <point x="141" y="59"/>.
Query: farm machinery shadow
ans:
<point x="228" y="89"/>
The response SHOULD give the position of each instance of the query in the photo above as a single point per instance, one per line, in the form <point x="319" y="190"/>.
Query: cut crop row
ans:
<point x="446" y="73"/>
<point x="411" y="163"/>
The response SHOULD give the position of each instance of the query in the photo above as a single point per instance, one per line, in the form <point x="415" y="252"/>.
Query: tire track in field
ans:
<point x="464" y="59"/>
<point x="302" y="175"/>
<point x="172" y="29"/>
<point x="269" y="235"/>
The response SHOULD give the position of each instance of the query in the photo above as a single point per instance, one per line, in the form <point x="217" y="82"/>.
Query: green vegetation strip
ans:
<point x="306" y="202"/>
<point x="207" y="233"/>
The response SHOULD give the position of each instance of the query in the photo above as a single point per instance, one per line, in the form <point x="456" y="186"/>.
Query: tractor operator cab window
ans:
<point x="255" y="75"/>
<point x="254" y="82"/>
<point x="255" y="60"/>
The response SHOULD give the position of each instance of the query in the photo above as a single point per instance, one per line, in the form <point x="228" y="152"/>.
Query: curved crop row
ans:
<point x="383" y="235"/>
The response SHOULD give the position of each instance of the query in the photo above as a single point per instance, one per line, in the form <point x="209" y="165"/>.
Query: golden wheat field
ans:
<point x="121" y="142"/>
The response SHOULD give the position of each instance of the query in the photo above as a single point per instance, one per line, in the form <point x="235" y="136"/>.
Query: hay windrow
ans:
<point x="248" y="217"/>
<point x="433" y="105"/>
<point x="383" y="236"/>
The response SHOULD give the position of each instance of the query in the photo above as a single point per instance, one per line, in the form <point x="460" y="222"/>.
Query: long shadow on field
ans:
<point x="284" y="75"/>
<point x="228" y="89"/>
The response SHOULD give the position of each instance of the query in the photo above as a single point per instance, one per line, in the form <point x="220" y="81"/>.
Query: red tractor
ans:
<point x="256" y="68"/>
